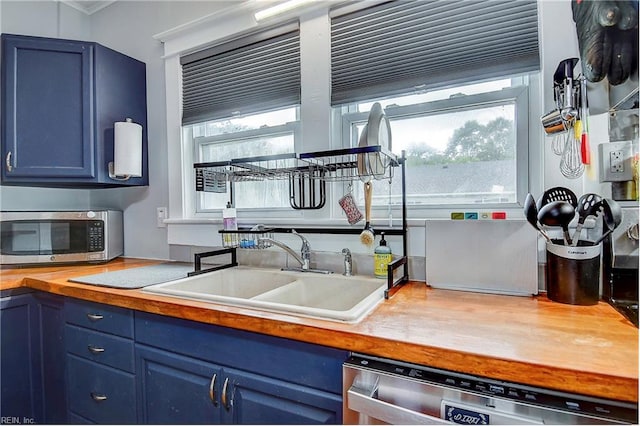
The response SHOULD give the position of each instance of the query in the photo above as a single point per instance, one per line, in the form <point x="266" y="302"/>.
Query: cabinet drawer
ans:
<point x="100" y="347"/>
<point x="99" y="393"/>
<point x="96" y="316"/>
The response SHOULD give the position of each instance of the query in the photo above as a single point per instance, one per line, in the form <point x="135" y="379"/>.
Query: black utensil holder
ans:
<point x="573" y="273"/>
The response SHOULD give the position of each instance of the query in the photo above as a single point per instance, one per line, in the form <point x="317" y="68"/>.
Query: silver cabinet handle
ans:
<point x="95" y="317"/>
<point x="212" y="390"/>
<point x="226" y="402"/>
<point x="98" y="397"/>
<point x="95" y="349"/>
<point x="388" y="413"/>
<point x="8" y="162"/>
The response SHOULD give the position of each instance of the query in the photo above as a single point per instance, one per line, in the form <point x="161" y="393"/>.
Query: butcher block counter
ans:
<point x="590" y="350"/>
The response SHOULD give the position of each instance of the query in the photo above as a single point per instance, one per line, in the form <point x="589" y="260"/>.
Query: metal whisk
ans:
<point x="571" y="161"/>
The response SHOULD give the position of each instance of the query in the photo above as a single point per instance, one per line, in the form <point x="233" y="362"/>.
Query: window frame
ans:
<point x="291" y="128"/>
<point x="517" y="95"/>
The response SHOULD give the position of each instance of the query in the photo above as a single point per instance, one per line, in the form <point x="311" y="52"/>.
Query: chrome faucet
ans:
<point x="304" y="259"/>
<point x="348" y="264"/>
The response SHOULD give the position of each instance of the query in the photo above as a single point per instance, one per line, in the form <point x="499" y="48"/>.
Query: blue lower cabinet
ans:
<point x="100" y="393"/>
<point x="52" y="351"/>
<point x="19" y="359"/>
<point x="174" y="389"/>
<point x="194" y="373"/>
<point x="253" y="399"/>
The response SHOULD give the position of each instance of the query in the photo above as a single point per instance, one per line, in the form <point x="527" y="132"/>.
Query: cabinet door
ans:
<point x="51" y="323"/>
<point x="253" y="399"/>
<point x="19" y="359"/>
<point x="173" y="389"/>
<point x="47" y="109"/>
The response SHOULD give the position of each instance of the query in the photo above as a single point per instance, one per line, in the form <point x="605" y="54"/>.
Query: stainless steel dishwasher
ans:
<point x="382" y="391"/>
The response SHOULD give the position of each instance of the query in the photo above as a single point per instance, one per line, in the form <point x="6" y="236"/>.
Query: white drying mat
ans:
<point x="138" y="277"/>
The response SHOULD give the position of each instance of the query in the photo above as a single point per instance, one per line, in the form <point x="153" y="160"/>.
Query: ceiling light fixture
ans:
<point x="279" y="9"/>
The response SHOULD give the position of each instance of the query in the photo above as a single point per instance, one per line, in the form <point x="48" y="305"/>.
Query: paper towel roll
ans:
<point x="127" y="152"/>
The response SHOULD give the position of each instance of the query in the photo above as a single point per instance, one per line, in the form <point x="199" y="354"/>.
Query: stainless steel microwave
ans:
<point x="53" y="237"/>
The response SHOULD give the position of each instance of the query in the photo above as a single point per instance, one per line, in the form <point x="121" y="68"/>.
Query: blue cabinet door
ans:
<point x="174" y="389"/>
<point x="60" y="100"/>
<point x="52" y="351"/>
<point x="47" y="109"/>
<point x="19" y="359"/>
<point x="255" y="399"/>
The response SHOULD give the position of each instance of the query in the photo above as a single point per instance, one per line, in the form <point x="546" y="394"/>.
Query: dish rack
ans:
<point x="308" y="174"/>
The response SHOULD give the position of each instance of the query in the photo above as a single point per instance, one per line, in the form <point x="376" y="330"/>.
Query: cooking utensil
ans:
<point x="571" y="165"/>
<point x="531" y="213"/>
<point x="611" y="218"/>
<point x="558" y="213"/>
<point x="558" y="193"/>
<point x="552" y="122"/>
<point x="585" y="149"/>
<point x="367" y="235"/>
<point x="557" y="143"/>
<point x="588" y="205"/>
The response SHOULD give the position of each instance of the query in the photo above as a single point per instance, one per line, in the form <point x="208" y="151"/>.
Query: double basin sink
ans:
<point x="333" y="297"/>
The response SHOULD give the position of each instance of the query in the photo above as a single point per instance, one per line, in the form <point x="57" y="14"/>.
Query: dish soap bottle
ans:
<point x="229" y="223"/>
<point x="381" y="258"/>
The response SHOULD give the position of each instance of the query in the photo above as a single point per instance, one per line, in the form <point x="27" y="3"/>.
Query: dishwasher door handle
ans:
<point x="388" y="413"/>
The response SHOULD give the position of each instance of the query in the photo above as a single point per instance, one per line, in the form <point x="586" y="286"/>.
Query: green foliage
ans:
<point x="470" y="142"/>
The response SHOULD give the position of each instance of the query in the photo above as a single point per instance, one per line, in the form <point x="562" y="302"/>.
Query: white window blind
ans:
<point x="395" y="46"/>
<point x="255" y="73"/>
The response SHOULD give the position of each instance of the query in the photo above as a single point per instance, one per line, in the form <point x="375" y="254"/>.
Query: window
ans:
<point x="443" y="70"/>
<point x="453" y="78"/>
<point x="241" y="99"/>
<point x="267" y="133"/>
<point x="461" y="144"/>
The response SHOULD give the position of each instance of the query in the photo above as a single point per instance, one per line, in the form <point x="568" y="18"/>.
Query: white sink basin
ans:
<point x="332" y="297"/>
<point x="241" y="283"/>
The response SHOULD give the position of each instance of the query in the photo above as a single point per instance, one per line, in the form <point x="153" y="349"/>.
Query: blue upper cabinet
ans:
<point x="60" y="100"/>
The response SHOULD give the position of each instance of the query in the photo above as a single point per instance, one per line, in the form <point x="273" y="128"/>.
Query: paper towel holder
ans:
<point x="127" y="151"/>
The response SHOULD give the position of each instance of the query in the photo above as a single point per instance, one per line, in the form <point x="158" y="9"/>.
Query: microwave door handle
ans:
<point x="362" y="403"/>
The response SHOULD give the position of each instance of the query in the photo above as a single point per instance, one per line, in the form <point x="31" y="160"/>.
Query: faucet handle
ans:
<point x="306" y="247"/>
<point x="347" y="262"/>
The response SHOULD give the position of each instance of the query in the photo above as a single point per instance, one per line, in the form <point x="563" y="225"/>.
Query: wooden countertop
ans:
<point x="591" y="350"/>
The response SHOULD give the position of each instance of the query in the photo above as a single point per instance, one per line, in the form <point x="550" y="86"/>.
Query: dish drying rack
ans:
<point x="308" y="174"/>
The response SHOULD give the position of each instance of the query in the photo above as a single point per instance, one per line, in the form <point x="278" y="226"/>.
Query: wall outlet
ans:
<point x="161" y="215"/>
<point x="615" y="161"/>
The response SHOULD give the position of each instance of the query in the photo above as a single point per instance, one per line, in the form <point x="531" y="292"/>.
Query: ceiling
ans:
<point x="88" y="6"/>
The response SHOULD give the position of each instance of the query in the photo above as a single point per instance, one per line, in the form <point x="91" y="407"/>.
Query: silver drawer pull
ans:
<point x="95" y="317"/>
<point x="226" y="401"/>
<point x="98" y="397"/>
<point x="212" y="390"/>
<point x="95" y="349"/>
